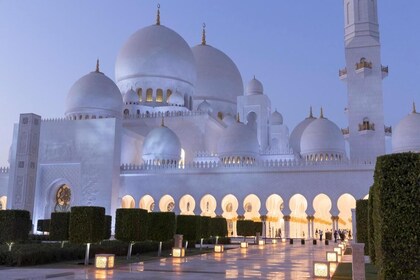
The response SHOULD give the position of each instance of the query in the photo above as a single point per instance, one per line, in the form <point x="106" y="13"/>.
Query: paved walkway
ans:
<point x="272" y="261"/>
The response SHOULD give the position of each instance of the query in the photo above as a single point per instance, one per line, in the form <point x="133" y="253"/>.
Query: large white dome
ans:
<point x="238" y="141"/>
<point x="94" y="95"/>
<point x="296" y="134"/>
<point x="218" y="79"/>
<point x="322" y="140"/>
<point x="406" y="135"/>
<point x="161" y="146"/>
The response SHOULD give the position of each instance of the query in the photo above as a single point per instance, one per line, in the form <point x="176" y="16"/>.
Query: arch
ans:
<point x="230" y="208"/>
<point x="187" y="205"/>
<point x="322" y="205"/>
<point x="252" y="205"/>
<point x="166" y="203"/>
<point x="298" y="221"/>
<point x="140" y="94"/>
<point x="147" y="203"/>
<point x="128" y="201"/>
<point x="3" y="202"/>
<point x="274" y="222"/>
<point x="168" y="94"/>
<point x="220" y="115"/>
<point x="208" y="205"/>
<point x="126" y="112"/>
<point x="251" y="117"/>
<point x="345" y="203"/>
<point x="159" y="95"/>
<point x="149" y="95"/>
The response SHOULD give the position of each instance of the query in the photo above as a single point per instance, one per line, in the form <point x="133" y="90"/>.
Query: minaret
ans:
<point x="363" y="75"/>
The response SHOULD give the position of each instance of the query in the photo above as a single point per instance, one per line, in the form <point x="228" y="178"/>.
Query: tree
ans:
<point x="245" y="228"/>
<point x="15" y="226"/>
<point x="218" y="227"/>
<point x="86" y="226"/>
<point x="59" y="229"/>
<point x="161" y="227"/>
<point x="131" y="225"/>
<point x="108" y="225"/>
<point x="189" y="226"/>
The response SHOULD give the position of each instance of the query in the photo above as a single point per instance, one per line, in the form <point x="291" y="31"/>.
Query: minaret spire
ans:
<point x="203" y="36"/>
<point x="321" y="116"/>
<point x="414" y="108"/>
<point x="158" y="15"/>
<point x="97" y="65"/>
<point x="311" y="116"/>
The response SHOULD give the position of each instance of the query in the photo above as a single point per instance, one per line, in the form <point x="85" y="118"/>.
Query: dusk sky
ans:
<point x="294" y="47"/>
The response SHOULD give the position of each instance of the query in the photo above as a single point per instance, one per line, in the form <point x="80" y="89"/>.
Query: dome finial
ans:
<point x="310" y="112"/>
<point x="97" y="65"/>
<point x="414" y="107"/>
<point x="237" y="118"/>
<point x="322" y="114"/>
<point x="158" y="15"/>
<point x="162" y="122"/>
<point x="203" y="36"/>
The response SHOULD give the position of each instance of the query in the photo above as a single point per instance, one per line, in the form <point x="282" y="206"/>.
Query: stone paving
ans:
<point x="271" y="261"/>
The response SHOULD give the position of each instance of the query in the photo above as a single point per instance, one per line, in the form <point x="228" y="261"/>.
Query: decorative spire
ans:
<point x="414" y="108"/>
<point x="254" y="77"/>
<point x="162" y="122"/>
<point x="158" y="15"/>
<point x="97" y="66"/>
<point x="311" y="116"/>
<point x="203" y="36"/>
<point x="322" y="114"/>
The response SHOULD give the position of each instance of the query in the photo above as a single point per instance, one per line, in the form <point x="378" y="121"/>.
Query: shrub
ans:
<point x="43" y="225"/>
<point x="161" y="226"/>
<point x="189" y="226"/>
<point x="108" y="224"/>
<point x="60" y="223"/>
<point x="218" y="227"/>
<point x="362" y="223"/>
<point x="15" y="226"/>
<point x="205" y="226"/>
<point x="371" y="235"/>
<point x="258" y="227"/>
<point x="245" y="228"/>
<point x="396" y="216"/>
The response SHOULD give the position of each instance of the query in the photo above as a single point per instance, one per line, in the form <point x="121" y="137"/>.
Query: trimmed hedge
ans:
<point x="258" y="227"/>
<point x="245" y="228"/>
<point x="371" y="230"/>
<point x="161" y="226"/>
<point x="218" y="227"/>
<point x="108" y="224"/>
<point x="362" y="223"/>
<point x="189" y="226"/>
<point x="86" y="224"/>
<point x="60" y="224"/>
<point x="396" y="216"/>
<point x="131" y="225"/>
<point x="205" y="226"/>
<point x="43" y="225"/>
<point x="14" y="225"/>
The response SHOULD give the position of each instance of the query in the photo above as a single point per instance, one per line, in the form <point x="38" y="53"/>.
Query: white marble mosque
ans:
<point x="179" y="131"/>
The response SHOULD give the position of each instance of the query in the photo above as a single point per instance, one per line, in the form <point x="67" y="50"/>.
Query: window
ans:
<point x="21" y="164"/>
<point x="149" y="95"/>
<point x="140" y="94"/>
<point x="62" y="199"/>
<point x="159" y="95"/>
<point x="168" y="94"/>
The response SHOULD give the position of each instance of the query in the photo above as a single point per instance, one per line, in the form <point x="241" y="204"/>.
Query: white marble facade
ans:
<point x="179" y="131"/>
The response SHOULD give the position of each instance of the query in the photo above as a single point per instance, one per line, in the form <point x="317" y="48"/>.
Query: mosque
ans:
<point x="178" y="131"/>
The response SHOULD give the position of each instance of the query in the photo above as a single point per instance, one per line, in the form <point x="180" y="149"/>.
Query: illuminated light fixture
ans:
<point x="342" y="246"/>
<point x="104" y="261"/>
<point x="321" y="269"/>
<point x="178" y="252"/>
<point x="283" y="240"/>
<point x="338" y="250"/>
<point x="332" y="256"/>
<point x="244" y="244"/>
<point x="261" y="242"/>
<point x="333" y="267"/>
<point x="219" y="248"/>
<point x="274" y="241"/>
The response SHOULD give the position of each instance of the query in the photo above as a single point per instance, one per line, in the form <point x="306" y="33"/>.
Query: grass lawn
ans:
<point x="344" y="271"/>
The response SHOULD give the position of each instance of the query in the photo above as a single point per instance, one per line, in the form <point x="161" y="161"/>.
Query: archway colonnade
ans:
<point x="295" y="218"/>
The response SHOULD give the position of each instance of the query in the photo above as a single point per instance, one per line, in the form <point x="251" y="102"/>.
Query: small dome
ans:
<point x="254" y="87"/>
<point x="296" y="135"/>
<point x="176" y="99"/>
<point x="322" y="139"/>
<point x="218" y="79"/>
<point x="161" y="146"/>
<point x="205" y="107"/>
<point x="238" y="140"/>
<point x="131" y="97"/>
<point x="276" y="118"/>
<point x="95" y="95"/>
<point x="406" y="135"/>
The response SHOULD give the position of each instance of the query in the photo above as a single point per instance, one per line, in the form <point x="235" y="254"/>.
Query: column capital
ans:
<point x="310" y="217"/>
<point x="335" y="218"/>
<point x="286" y="218"/>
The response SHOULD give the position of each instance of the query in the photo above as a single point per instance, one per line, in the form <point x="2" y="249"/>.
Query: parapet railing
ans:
<point x="4" y="169"/>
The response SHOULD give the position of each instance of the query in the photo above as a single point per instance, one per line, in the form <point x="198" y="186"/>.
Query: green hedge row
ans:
<point x="396" y="216"/>
<point x="245" y="228"/>
<point x="43" y="225"/>
<point x="371" y="230"/>
<point x="14" y="225"/>
<point x="161" y="226"/>
<point x="131" y="225"/>
<point x="218" y="227"/>
<point x="86" y="224"/>
<point x="60" y="223"/>
<point x="362" y="223"/>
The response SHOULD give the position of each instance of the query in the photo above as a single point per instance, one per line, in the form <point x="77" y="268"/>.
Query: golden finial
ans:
<point x="97" y="65"/>
<point x="203" y="36"/>
<point x="414" y="107"/>
<point x="158" y="15"/>
<point x="322" y="114"/>
<point x="237" y="117"/>
<point x="162" y="123"/>
<point x="310" y="113"/>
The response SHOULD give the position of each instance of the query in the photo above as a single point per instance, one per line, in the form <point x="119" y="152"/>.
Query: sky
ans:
<point x="294" y="47"/>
